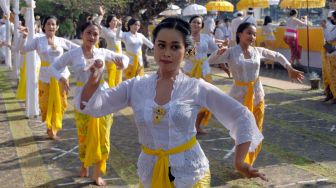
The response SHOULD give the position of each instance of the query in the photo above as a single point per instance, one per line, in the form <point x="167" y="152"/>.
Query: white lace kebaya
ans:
<point x="247" y="70"/>
<point x="178" y="124"/>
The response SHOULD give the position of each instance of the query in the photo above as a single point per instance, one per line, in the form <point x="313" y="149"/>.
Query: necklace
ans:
<point x="158" y="113"/>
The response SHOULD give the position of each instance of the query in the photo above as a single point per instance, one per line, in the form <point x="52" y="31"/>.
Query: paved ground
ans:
<point x="298" y="151"/>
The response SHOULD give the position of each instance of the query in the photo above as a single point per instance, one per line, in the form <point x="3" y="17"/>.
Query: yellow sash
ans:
<point x="135" y="61"/>
<point x="196" y="71"/>
<point x="117" y="48"/>
<point x="248" y="100"/>
<point x="21" y="91"/>
<point x="54" y="103"/>
<point x="160" y="176"/>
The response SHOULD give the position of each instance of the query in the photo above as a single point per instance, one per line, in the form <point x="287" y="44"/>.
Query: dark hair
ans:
<point x="267" y="20"/>
<point x="334" y="14"/>
<point x="177" y="24"/>
<point x="216" y="23"/>
<point x="293" y="12"/>
<point x="241" y="29"/>
<point x="46" y="19"/>
<point x="88" y="24"/>
<point x="108" y="19"/>
<point x="194" y="17"/>
<point x="130" y="22"/>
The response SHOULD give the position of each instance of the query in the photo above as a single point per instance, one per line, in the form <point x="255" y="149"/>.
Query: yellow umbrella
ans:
<point x="224" y="6"/>
<point x="303" y="4"/>
<point x="244" y="4"/>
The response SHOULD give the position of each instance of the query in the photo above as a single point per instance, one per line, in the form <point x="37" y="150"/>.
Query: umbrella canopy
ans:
<point x="302" y="4"/>
<point x="172" y="10"/>
<point x="224" y="6"/>
<point x="194" y="9"/>
<point x="244" y="4"/>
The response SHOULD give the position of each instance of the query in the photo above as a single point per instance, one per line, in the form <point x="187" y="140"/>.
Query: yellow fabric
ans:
<point x="290" y="4"/>
<point x="258" y="112"/>
<point x="316" y="38"/>
<point x="325" y="69"/>
<point x="55" y="111"/>
<point x="206" y="117"/>
<point x="118" y="48"/>
<point x="114" y="76"/>
<point x="160" y="176"/>
<point x="133" y="70"/>
<point x="94" y="139"/>
<point x="245" y="4"/>
<point x="196" y="71"/>
<point x="128" y="72"/>
<point x="21" y="90"/>
<point x="44" y="90"/>
<point x="332" y="74"/>
<point x="224" y="6"/>
<point x="248" y="100"/>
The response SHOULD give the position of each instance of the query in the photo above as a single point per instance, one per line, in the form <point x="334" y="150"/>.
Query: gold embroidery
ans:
<point x="158" y="113"/>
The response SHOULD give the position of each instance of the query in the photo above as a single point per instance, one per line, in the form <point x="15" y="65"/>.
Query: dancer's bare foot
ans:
<point x="52" y="135"/>
<point x="100" y="181"/>
<point x="84" y="172"/>
<point x="96" y="176"/>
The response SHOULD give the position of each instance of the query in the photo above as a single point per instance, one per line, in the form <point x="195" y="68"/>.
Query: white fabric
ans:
<point x="268" y="31"/>
<point x="250" y="19"/>
<point x="5" y="6"/>
<point x="294" y="23"/>
<point x="330" y="33"/>
<point x="247" y="70"/>
<point x="46" y="53"/>
<point x="133" y="43"/>
<point x="209" y="25"/>
<point x="109" y="35"/>
<point x="178" y="125"/>
<point x="111" y="38"/>
<point x="205" y="46"/>
<point x="75" y="59"/>
<point x="234" y="26"/>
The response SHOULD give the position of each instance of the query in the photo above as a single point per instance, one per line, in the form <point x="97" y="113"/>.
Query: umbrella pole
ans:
<point x="308" y="38"/>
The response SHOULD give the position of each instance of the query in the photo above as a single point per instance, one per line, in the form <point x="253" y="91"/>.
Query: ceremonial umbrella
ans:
<point x="172" y="10"/>
<point x="194" y="9"/>
<point x="244" y="4"/>
<point x="303" y="4"/>
<point x="219" y="5"/>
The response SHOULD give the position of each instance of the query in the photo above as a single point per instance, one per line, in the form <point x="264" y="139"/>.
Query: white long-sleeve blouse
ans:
<point x="109" y="35"/>
<point x="205" y="46"/>
<point x="133" y="43"/>
<point x="46" y="53"/>
<point x="75" y="59"/>
<point x="247" y="70"/>
<point x="178" y="124"/>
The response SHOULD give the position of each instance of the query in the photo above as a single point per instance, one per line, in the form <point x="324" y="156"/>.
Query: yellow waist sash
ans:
<point x="54" y="101"/>
<point x="248" y="100"/>
<point x="160" y="176"/>
<point x="135" y="61"/>
<point x="196" y="71"/>
<point x="117" y="48"/>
